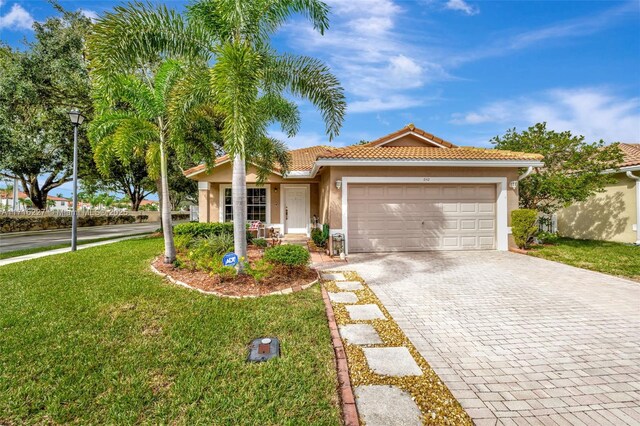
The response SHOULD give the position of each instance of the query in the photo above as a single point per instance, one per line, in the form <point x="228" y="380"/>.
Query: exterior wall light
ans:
<point x="513" y="184"/>
<point x="338" y="184"/>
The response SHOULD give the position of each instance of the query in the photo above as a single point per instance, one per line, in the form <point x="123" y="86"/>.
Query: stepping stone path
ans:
<point x="396" y="361"/>
<point x="378" y="405"/>
<point x="346" y="297"/>
<point x="364" y="312"/>
<point x="360" y="334"/>
<point x="381" y="405"/>
<point x="334" y="277"/>
<point x="349" y="285"/>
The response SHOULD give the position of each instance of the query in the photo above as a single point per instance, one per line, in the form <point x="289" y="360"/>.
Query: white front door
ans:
<point x="296" y="214"/>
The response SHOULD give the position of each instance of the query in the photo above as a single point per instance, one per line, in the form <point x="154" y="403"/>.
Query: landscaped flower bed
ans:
<point x="201" y="247"/>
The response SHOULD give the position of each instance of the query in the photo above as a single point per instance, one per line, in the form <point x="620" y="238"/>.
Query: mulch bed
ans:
<point x="281" y="278"/>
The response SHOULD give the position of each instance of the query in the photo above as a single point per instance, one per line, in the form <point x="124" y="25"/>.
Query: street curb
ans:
<point x="347" y="398"/>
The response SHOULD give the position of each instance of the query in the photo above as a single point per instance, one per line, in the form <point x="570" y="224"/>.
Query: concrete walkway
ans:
<point x="518" y="340"/>
<point x="61" y="250"/>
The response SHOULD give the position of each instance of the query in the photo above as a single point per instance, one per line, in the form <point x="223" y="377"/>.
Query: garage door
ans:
<point x="419" y="217"/>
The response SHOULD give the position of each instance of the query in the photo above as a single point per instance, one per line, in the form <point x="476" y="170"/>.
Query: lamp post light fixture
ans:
<point x="76" y="119"/>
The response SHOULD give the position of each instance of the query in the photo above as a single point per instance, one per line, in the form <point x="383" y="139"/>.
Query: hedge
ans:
<point x="180" y="216"/>
<point x="289" y="255"/>
<point x="524" y="226"/>
<point x="201" y="230"/>
<point x="36" y="223"/>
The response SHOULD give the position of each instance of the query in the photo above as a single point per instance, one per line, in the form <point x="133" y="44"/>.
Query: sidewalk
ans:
<point x="63" y="250"/>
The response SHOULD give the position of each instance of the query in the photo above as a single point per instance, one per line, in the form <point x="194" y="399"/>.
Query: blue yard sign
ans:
<point x="230" y="259"/>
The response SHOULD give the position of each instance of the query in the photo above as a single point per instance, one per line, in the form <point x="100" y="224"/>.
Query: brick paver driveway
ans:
<point x="518" y="340"/>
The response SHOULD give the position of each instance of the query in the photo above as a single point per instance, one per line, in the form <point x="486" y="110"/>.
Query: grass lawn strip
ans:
<point x="611" y="258"/>
<point x="94" y="337"/>
<point x="438" y="405"/>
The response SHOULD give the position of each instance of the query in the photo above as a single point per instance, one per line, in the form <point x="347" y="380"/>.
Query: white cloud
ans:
<point x="370" y="55"/>
<point x="17" y="19"/>
<point x="572" y="28"/>
<point x="462" y="6"/>
<point x="91" y="14"/>
<point x="595" y="113"/>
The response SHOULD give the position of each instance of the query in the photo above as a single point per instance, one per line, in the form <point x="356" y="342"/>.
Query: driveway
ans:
<point x="518" y="340"/>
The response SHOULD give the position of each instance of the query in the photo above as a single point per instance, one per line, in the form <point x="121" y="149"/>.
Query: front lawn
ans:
<point x="610" y="258"/>
<point x="93" y="337"/>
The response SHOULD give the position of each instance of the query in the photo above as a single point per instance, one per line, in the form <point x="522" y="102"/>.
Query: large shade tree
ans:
<point x="38" y="87"/>
<point x="247" y="80"/>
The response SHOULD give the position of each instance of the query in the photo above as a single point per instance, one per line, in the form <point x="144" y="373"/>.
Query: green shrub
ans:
<point x="202" y="230"/>
<point x="260" y="269"/>
<point x="547" y="237"/>
<point x="260" y="242"/>
<point x="34" y="223"/>
<point x="524" y="226"/>
<point x="320" y="236"/>
<point x="183" y="242"/>
<point x="288" y="255"/>
<point x="180" y="216"/>
<point x="207" y="253"/>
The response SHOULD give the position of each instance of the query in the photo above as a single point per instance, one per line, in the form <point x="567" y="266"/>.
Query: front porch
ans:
<point x="291" y="210"/>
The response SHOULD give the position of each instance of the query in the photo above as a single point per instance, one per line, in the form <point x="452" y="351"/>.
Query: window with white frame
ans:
<point x="256" y="204"/>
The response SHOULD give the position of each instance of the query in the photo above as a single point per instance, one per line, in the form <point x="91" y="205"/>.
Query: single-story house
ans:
<point x="406" y="191"/>
<point x="612" y="215"/>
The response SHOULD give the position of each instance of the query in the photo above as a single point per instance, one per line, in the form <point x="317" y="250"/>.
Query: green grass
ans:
<point x="24" y="252"/>
<point x="602" y="256"/>
<point x="93" y="337"/>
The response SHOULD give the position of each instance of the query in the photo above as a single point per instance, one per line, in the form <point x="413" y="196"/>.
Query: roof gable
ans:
<point x="410" y="136"/>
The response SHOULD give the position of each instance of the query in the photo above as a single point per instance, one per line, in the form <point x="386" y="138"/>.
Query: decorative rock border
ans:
<point x="215" y="293"/>
<point x="437" y="404"/>
<point x="347" y="399"/>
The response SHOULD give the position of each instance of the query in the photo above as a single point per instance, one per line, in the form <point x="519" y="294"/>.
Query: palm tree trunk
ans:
<point x="239" y="196"/>
<point x="167" y="229"/>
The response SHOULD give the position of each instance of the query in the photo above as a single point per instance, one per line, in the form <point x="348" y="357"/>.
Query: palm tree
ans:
<point x="247" y="80"/>
<point x="132" y="121"/>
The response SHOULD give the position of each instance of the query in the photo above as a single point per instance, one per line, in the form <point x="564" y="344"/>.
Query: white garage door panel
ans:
<point x="418" y="217"/>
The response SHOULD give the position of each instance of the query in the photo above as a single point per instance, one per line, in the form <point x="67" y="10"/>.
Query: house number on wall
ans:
<point x="426" y="179"/>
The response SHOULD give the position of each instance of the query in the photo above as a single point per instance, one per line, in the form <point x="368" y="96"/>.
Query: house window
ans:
<point x="256" y="204"/>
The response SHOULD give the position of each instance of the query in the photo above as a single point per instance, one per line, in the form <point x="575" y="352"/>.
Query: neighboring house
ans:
<point x="58" y="203"/>
<point x="6" y="200"/>
<point x="407" y="191"/>
<point x="612" y="215"/>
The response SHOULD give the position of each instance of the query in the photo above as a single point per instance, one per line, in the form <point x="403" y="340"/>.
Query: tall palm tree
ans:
<point x="132" y="121"/>
<point x="247" y="79"/>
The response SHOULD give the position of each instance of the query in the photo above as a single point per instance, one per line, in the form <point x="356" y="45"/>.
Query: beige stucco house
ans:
<point x="612" y="215"/>
<point x="407" y="191"/>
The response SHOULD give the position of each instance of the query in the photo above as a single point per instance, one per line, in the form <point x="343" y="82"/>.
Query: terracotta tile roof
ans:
<point x="9" y="194"/>
<point x="425" y="153"/>
<point x="631" y="153"/>
<point x="301" y="159"/>
<point x="414" y="129"/>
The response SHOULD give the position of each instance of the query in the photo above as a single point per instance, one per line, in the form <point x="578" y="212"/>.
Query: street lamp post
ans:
<point x="76" y="119"/>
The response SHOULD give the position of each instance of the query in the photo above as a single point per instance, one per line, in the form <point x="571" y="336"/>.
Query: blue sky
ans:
<point x="463" y="70"/>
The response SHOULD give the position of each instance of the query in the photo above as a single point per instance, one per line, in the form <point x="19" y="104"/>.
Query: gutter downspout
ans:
<point x="527" y="173"/>
<point x="630" y="175"/>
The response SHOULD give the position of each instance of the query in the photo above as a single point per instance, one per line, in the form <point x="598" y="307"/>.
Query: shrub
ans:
<point x="260" y="242"/>
<point x="202" y="230"/>
<point x="547" y="237"/>
<point x="35" y="223"/>
<point x="143" y="218"/>
<point x="260" y="269"/>
<point x="320" y="236"/>
<point x="183" y="242"/>
<point x="524" y="225"/>
<point x="288" y="255"/>
<point x="207" y="253"/>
